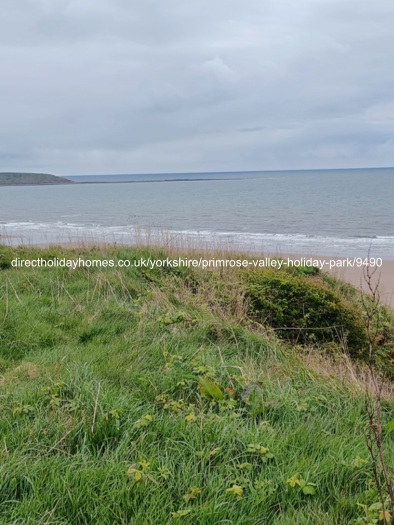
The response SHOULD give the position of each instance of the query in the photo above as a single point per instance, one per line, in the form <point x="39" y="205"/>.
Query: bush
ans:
<point x="303" y="309"/>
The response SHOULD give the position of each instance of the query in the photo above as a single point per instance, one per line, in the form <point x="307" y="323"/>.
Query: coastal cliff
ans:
<point x="24" y="179"/>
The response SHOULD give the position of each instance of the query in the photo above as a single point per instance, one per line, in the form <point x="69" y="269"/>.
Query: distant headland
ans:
<point x="28" y="179"/>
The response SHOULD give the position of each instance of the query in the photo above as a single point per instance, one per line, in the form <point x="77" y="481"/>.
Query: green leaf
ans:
<point x="180" y="513"/>
<point x="293" y="481"/>
<point x="389" y="426"/>
<point x="235" y="490"/>
<point x="245" y="466"/>
<point x="191" y="494"/>
<point x="308" y="489"/>
<point x="210" y="389"/>
<point x="375" y="506"/>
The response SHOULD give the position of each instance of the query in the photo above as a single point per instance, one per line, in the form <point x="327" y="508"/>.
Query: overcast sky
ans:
<point x="142" y="86"/>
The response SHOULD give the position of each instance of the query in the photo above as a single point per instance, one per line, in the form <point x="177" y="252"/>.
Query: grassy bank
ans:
<point x="179" y="395"/>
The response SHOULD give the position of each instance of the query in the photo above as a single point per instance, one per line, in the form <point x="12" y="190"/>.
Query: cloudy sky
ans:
<point x="142" y="86"/>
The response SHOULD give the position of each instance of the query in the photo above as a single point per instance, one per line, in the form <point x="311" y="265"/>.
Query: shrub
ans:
<point x="303" y="309"/>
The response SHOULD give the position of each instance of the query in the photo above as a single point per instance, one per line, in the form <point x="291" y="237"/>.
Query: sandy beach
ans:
<point x="383" y="275"/>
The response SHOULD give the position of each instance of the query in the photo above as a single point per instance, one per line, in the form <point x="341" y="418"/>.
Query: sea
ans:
<point x="341" y="212"/>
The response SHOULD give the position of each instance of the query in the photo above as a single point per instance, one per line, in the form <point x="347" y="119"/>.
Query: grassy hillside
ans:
<point x="138" y="396"/>
<point x="16" y="179"/>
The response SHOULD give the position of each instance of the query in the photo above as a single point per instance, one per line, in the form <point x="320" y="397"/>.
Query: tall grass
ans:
<point x="145" y="397"/>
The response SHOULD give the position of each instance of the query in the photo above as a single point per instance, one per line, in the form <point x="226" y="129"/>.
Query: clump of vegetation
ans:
<point x="129" y="395"/>
<point x="304" y="309"/>
<point x="314" y="310"/>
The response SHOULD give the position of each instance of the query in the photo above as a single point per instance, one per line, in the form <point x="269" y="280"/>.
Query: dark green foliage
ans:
<point x="304" y="310"/>
<point x="5" y="257"/>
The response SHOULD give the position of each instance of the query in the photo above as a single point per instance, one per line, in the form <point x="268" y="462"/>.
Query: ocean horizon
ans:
<point x="341" y="212"/>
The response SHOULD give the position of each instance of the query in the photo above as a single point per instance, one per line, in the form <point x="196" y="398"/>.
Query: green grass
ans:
<point x="121" y="390"/>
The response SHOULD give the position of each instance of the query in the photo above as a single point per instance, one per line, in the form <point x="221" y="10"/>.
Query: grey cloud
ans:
<point x="118" y="86"/>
